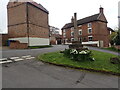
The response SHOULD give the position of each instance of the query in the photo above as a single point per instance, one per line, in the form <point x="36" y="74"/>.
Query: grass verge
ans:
<point x="112" y="49"/>
<point x="35" y="47"/>
<point x="101" y="63"/>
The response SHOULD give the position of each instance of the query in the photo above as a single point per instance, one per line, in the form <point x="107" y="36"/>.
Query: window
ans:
<point x="80" y="32"/>
<point x="89" y="25"/>
<point x="90" y="38"/>
<point x="72" y="39"/>
<point x="64" y="30"/>
<point x="72" y="33"/>
<point x="72" y="28"/>
<point x="80" y="26"/>
<point x="89" y="30"/>
<point x="80" y="39"/>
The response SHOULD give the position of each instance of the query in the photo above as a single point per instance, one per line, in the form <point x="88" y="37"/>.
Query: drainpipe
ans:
<point x="27" y="19"/>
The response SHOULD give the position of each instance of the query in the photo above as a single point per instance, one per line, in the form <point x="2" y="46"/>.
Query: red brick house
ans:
<point x="55" y="37"/>
<point x="27" y="24"/>
<point x="92" y="30"/>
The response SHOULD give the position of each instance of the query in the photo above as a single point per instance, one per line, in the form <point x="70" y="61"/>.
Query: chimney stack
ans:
<point x="72" y="20"/>
<point x="101" y="9"/>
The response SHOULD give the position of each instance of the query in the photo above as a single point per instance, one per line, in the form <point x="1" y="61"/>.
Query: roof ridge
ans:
<point x="89" y="16"/>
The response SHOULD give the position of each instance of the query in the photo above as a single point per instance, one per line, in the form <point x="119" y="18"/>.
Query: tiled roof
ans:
<point x="83" y="21"/>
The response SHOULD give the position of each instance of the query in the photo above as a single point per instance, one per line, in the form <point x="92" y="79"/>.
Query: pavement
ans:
<point x="102" y="50"/>
<point x="31" y="73"/>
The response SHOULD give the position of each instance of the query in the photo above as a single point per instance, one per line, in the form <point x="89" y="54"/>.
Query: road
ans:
<point x="35" y="74"/>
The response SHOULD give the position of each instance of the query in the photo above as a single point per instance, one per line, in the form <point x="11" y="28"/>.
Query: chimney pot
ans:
<point x="101" y="10"/>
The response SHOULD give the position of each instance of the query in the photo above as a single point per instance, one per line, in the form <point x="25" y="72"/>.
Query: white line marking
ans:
<point x="18" y="59"/>
<point x="14" y="57"/>
<point x="30" y="58"/>
<point x="9" y="61"/>
<point x="3" y="59"/>
<point x="26" y="56"/>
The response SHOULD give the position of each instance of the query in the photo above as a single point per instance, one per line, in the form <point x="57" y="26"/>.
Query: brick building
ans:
<point x="92" y="30"/>
<point x="3" y="39"/>
<point x="27" y="24"/>
<point x="55" y="37"/>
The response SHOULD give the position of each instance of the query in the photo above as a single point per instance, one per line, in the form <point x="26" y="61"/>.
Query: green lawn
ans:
<point x="35" y="47"/>
<point x="101" y="62"/>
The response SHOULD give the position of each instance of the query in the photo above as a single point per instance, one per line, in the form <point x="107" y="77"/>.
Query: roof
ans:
<point x="39" y="6"/>
<point x="83" y="21"/>
<point x="32" y="3"/>
<point x="110" y="29"/>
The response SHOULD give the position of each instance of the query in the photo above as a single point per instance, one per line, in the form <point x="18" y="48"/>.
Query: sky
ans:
<point x="61" y="11"/>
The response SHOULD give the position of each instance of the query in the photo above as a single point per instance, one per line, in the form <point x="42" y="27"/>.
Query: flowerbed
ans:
<point x="79" y="55"/>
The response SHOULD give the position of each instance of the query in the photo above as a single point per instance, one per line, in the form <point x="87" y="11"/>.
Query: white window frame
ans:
<point x="72" y="39"/>
<point x="88" y="30"/>
<point x="72" y="28"/>
<point x="89" y="39"/>
<point x="80" y="26"/>
<point x="72" y="33"/>
<point x="80" y="31"/>
<point x="89" y="25"/>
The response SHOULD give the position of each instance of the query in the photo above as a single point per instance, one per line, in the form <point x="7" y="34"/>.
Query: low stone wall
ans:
<point x="117" y="47"/>
<point x="18" y="45"/>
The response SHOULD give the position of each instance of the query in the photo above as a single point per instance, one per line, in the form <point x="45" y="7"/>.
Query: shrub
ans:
<point x="115" y="60"/>
<point x="79" y="55"/>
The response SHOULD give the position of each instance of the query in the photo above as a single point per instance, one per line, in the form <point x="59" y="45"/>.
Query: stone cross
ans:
<point x="75" y="27"/>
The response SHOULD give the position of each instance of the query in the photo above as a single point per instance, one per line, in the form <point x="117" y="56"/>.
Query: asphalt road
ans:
<point x="33" y="52"/>
<point x="35" y="74"/>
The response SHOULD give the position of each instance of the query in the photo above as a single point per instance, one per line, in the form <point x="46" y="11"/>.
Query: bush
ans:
<point x="115" y="60"/>
<point x="78" y="55"/>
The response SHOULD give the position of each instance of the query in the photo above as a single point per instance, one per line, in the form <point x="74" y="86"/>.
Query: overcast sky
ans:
<point x="61" y="11"/>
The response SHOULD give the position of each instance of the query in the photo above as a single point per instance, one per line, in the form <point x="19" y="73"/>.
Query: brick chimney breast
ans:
<point x="101" y="10"/>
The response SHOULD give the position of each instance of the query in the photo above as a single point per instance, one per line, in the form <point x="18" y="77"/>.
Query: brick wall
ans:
<point x="99" y="32"/>
<point x="18" y="45"/>
<point x="37" y="26"/>
<point x="16" y="13"/>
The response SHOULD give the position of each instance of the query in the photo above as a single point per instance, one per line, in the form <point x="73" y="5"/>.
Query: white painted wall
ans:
<point x="33" y="41"/>
<point x="38" y="41"/>
<point x="91" y="42"/>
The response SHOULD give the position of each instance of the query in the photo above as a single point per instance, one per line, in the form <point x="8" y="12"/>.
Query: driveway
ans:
<point x="35" y="74"/>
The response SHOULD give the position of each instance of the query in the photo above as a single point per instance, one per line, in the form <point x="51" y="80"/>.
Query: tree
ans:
<point x="112" y="38"/>
<point x="117" y="38"/>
